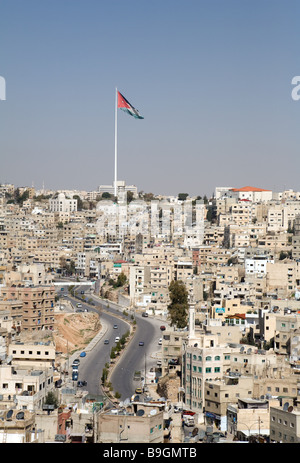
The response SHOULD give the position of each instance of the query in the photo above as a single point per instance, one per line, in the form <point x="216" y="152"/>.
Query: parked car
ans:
<point x="82" y="354"/>
<point x="58" y="383"/>
<point x="141" y="343"/>
<point x="144" y="314"/>
<point x="160" y="342"/>
<point x="115" y="327"/>
<point x="162" y="327"/>
<point x="106" y="341"/>
<point x="117" y="339"/>
<point x="138" y="390"/>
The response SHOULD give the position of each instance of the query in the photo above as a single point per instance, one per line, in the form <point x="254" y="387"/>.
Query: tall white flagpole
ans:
<point x="116" y="140"/>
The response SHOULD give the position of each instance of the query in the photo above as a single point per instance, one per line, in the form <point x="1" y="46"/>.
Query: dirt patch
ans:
<point x="75" y="331"/>
<point x="72" y="331"/>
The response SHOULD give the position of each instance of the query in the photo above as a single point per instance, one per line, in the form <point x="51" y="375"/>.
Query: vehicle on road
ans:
<point x="82" y="354"/>
<point x="75" y="367"/>
<point x="75" y="376"/>
<point x="141" y="343"/>
<point x="81" y="292"/>
<point x="78" y="305"/>
<point x="144" y="314"/>
<point x="162" y="328"/>
<point x="76" y="361"/>
<point x="81" y="383"/>
<point x="159" y="363"/>
<point x="160" y="342"/>
<point x="117" y="339"/>
<point x="106" y="341"/>
<point x="138" y="390"/>
<point x="115" y="327"/>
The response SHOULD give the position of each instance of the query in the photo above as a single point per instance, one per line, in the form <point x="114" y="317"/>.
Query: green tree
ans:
<point x="121" y="279"/>
<point x="79" y="202"/>
<point x="182" y="196"/>
<point x="51" y="399"/>
<point x="178" y="308"/>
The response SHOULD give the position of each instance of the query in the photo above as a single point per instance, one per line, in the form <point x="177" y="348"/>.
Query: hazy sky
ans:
<point x="212" y="79"/>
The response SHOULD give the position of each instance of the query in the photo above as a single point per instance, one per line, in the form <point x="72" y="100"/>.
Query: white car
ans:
<point x="117" y="339"/>
<point x="160" y="342"/>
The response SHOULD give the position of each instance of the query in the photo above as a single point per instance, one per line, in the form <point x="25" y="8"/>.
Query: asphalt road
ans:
<point x="134" y="358"/>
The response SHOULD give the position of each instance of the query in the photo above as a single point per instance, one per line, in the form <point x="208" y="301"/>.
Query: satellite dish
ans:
<point x="290" y="409"/>
<point x="20" y="416"/>
<point x="286" y="406"/>
<point x="126" y="402"/>
<point x="153" y="412"/>
<point x="140" y="413"/>
<point x="9" y="414"/>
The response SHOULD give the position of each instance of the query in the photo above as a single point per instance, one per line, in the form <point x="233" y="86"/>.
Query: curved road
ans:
<point x="134" y="358"/>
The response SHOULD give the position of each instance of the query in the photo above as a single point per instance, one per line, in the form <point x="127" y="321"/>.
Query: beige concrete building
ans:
<point x="219" y="394"/>
<point x="250" y="417"/>
<point x="203" y="360"/>
<point x="285" y="424"/>
<point x="24" y="388"/>
<point x="40" y="355"/>
<point x="144" y="425"/>
<point x="38" y="305"/>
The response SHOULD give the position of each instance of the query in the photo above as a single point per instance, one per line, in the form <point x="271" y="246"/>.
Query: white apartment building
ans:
<point x="62" y="204"/>
<point x="257" y="265"/>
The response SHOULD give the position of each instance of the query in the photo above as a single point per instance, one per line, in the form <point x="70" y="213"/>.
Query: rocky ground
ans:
<point x="72" y="331"/>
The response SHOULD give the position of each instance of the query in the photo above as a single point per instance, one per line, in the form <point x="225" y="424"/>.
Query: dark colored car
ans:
<point x="106" y="341"/>
<point x="141" y="343"/>
<point x="81" y="383"/>
<point x="162" y="327"/>
<point x="144" y="314"/>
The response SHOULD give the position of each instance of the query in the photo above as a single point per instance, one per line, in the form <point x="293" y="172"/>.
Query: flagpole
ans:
<point x="116" y="139"/>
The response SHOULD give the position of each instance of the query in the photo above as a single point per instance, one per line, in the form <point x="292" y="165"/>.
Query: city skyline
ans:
<point x="213" y="81"/>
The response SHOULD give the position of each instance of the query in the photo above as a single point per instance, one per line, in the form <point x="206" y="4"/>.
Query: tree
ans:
<point x="178" y="308"/>
<point x="182" y="196"/>
<point x="121" y="279"/>
<point x="51" y="399"/>
<point x="79" y="202"/>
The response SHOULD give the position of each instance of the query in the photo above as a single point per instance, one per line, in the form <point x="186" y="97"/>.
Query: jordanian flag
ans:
<point x="127" y="107"/>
